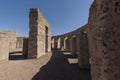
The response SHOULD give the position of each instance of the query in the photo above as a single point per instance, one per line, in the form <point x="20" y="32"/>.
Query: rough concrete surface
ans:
<point x="104" y="39"/>
<point x="11" y="37"/>
<point x="39" y="36"/>
<point x="4" y="47"/>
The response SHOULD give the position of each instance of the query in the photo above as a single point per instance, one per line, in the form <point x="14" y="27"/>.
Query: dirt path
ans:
<point x="55" y="66"/>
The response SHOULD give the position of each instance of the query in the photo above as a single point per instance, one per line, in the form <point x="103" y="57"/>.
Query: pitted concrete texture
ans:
<point x="39" y="35"/>
<point x="104" y="39"/>
<point x="4" y="46"/>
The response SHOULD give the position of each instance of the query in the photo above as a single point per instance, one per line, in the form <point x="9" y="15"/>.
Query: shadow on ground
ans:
<point x="17" y="55"/>
<point x="59" y="68"/>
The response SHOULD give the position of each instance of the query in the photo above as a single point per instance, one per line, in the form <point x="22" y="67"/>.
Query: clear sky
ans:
<point x="62" y="15"/>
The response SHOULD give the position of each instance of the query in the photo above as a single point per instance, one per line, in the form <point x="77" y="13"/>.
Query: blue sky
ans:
<point x="62" y="15"/>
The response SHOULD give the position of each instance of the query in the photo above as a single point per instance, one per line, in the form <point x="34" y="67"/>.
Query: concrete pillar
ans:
<point x="53" y="43"/>
<point x="74" y="45"/>
<point x="4" y="47"/>
<point x="59" y="43"/>
<point x="65" y="43"/>
<point x="39" y="35"/>
<point x="82" y="50"/>
<point x="48" y="39"/>
<point x="62" y="43"/>
<point x="19" y="42"/>
<point x="25" y="46"/>
<point x="70" y="39"/>
<point x="12" y="40"/>
<point x="104" y="39"/>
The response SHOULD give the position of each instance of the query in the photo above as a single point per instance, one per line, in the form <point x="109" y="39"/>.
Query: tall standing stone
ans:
<point x="104" y="39"/>
<point x="74" y="45"/>
<point x="25" y="47"/>
<point x="4" y="47"/>
<point x="39" y="36"/>
<point x="82" y="50"/>
<point x="12" y="38"/>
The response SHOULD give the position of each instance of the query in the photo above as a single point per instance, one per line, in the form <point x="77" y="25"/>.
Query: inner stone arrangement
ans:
<point x="39" y="36"/>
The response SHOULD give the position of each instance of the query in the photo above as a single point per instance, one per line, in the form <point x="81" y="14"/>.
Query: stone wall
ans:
<point x="104" y="39"/>
<point x="4" y="46"/>
<point x="39" y="35"/>
<point x="83" y="50"/>
<point x="25" y="46"/>
<point x="12" y="38"/>
<point x="19" y="42"/>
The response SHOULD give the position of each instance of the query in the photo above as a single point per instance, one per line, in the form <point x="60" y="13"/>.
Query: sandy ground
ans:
<point x="52" y="66"/>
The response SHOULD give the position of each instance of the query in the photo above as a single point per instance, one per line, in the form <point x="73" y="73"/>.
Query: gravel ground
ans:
<point x="55" y="66"/>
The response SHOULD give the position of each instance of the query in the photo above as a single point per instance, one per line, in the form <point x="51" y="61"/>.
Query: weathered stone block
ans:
<point x="25" y="46"/>
<point x="83" y="50"/>
<point x="19" y="42"/>
<point x="12" y="38"/>
<point x="4" y="47"/>
<point x="74" y="45"/>
<point x="39" y="35"/>
<point x="104" y="39"/>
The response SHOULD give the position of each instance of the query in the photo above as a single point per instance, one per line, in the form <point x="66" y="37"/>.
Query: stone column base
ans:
<point x="82" y="61"/>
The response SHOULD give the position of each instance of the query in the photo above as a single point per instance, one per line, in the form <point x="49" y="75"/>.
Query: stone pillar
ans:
<point x="33" y="38"/>
<point x="65" y="43"/>
<point x="19" y="42"/>
<point x="13" y="40"/>
<point x="4" y="47"/>
<point x="39" y="35"/>
<point x="69" y="43"/>
<point x="70" y="40"/>
<point x="62" y="43"/>
<point x="59" y="43"/>
<point x="82" y="50"/>
<point x="53" y="43"/>
<point x="74" y="45"/>
<point x="104" y="39"/>
<point x="48" y="40"/>
<point x="25" y="46"/>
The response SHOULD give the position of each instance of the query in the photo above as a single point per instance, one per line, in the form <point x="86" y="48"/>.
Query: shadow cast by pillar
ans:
<point x="58" y="68"/>
<point x="17" y="55"/>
